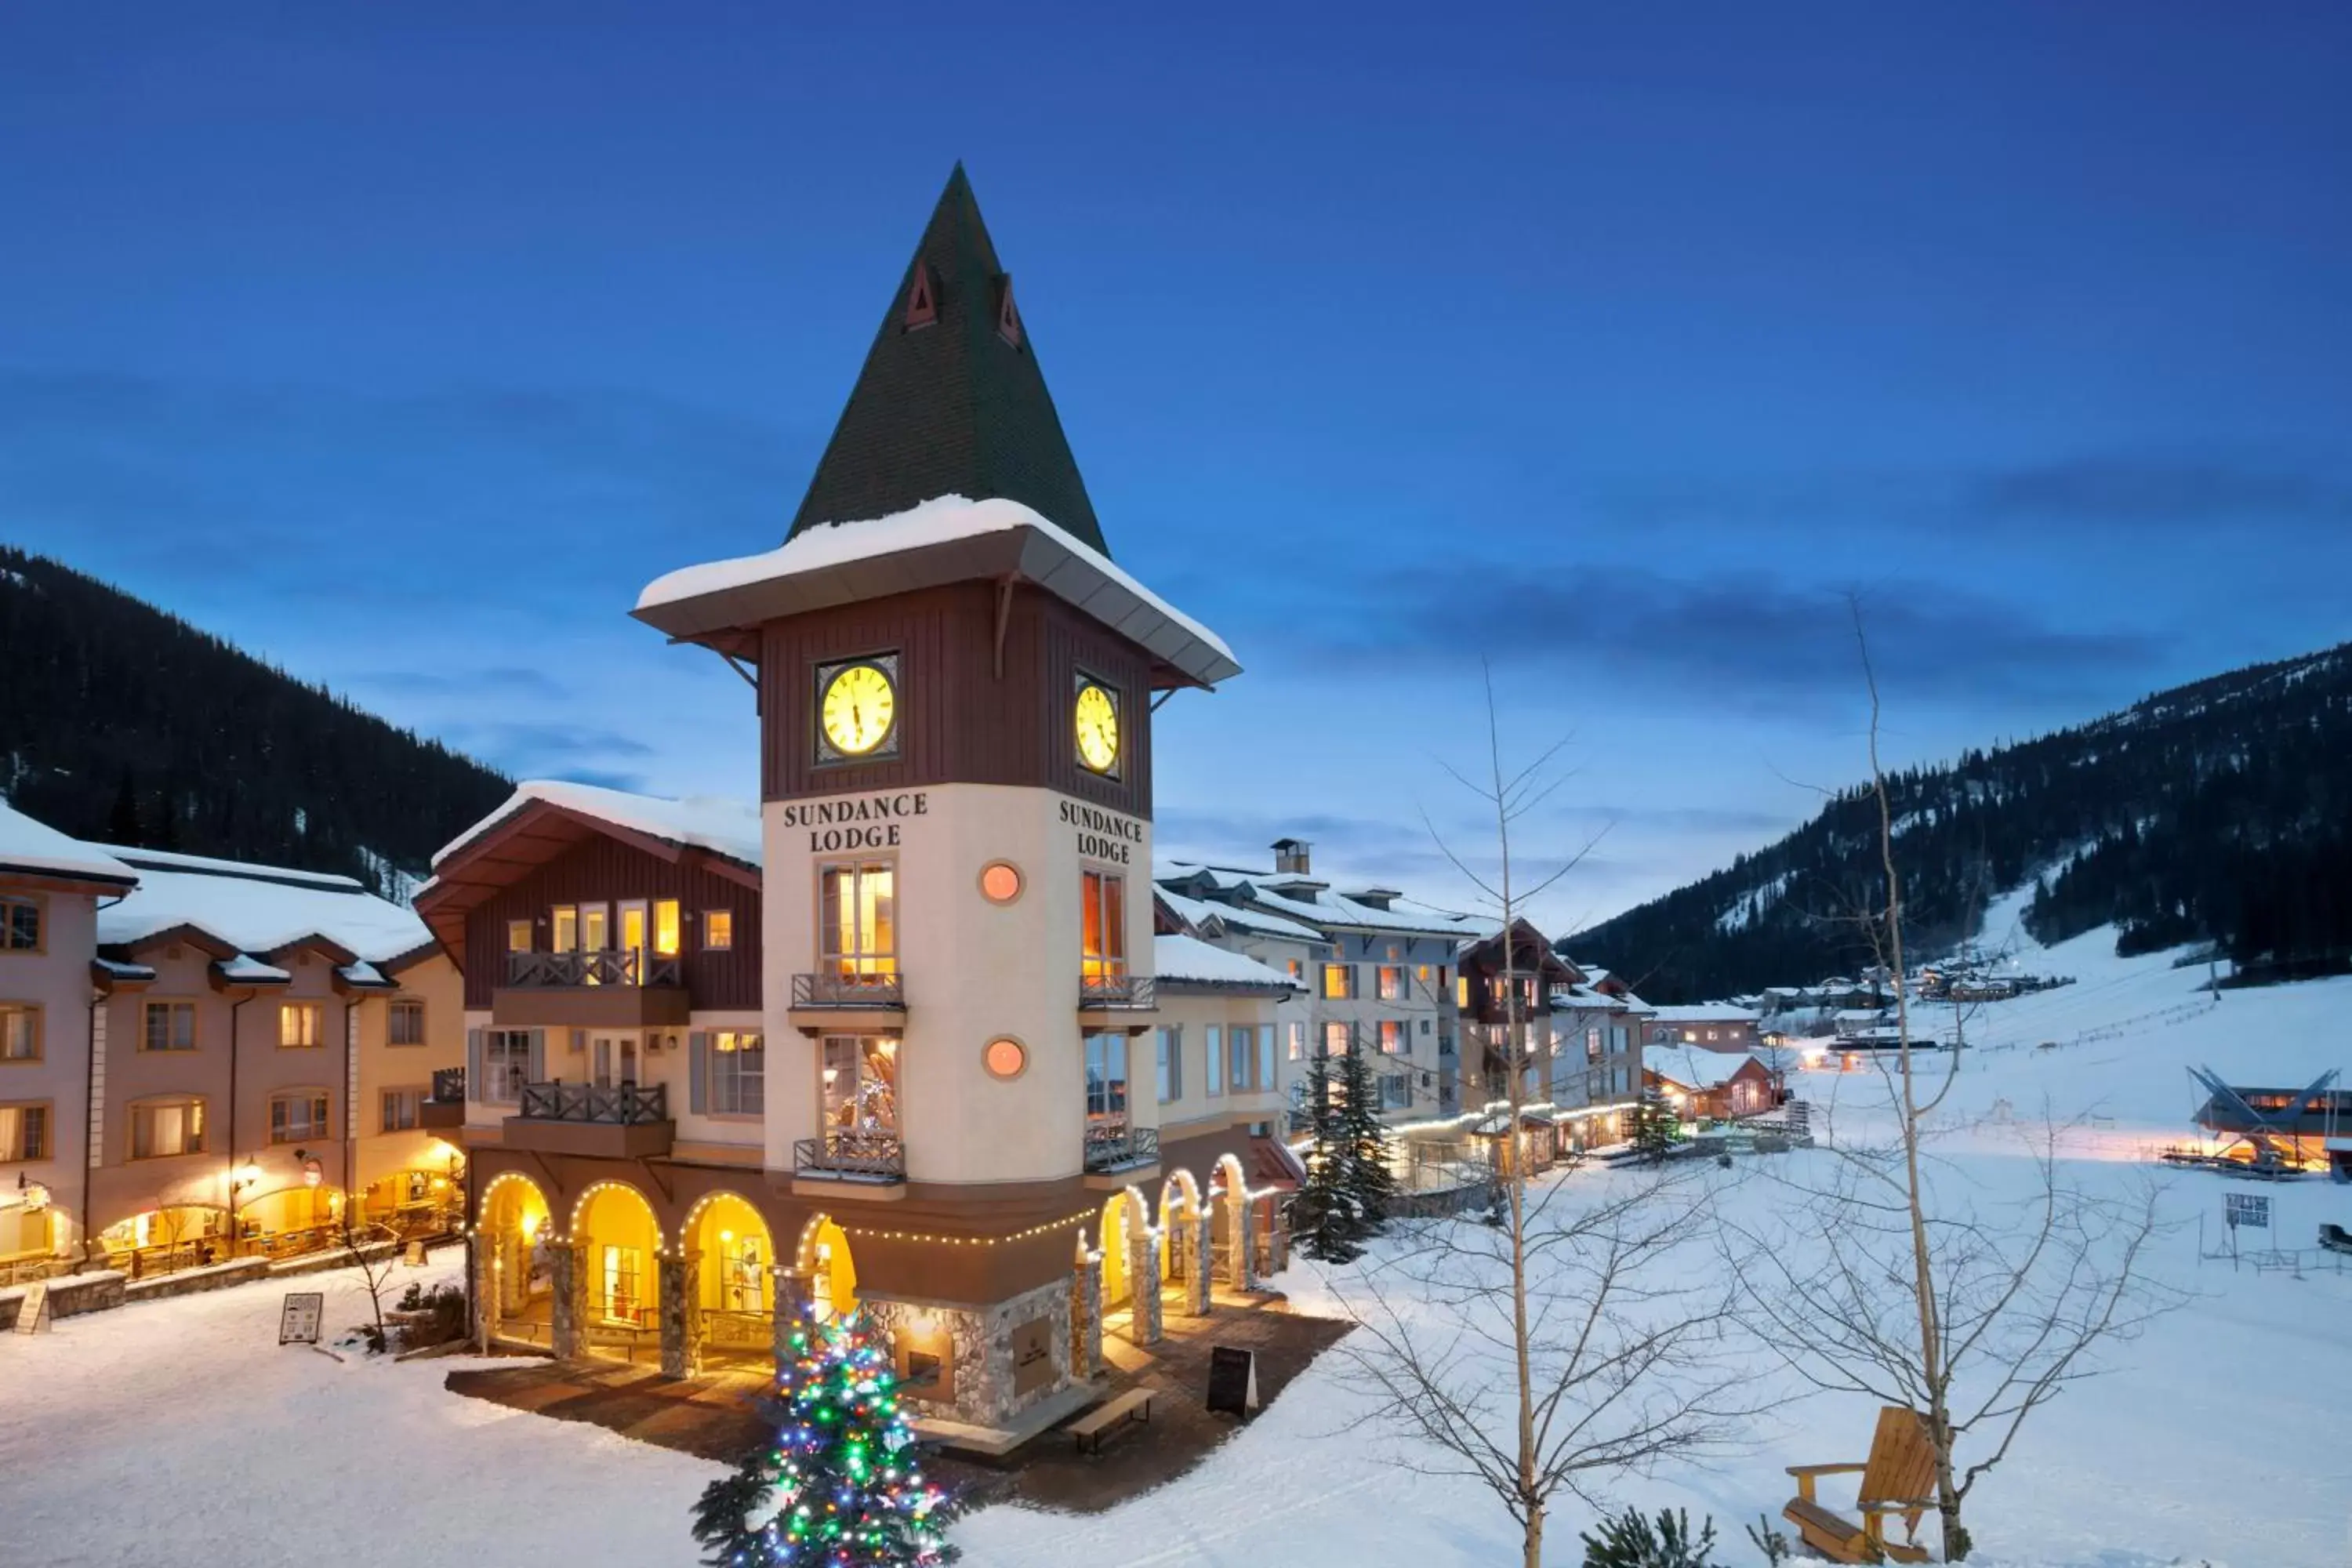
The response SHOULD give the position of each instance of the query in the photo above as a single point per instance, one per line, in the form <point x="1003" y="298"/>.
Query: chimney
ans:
<point x="1291" y="855"/>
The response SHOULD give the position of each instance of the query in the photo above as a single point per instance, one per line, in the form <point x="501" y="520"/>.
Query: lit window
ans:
<point x="718" y="930"/>
<point x="407" y="1026"/>
<point x="738" y="1073"/>
<point x="399" y="1111"/>
<point x="859" y="920"/>
<point x="1337" y="1037"/>
<point x="1391" y="1037"/>
<point x="24" y="1131"/>
<point x="1297" y="1038"/>
<point x="1337" y="981"/>
<point x="666" y="927"/>
<point x="860" y="1075"/>
<point x="1392" y="983"/>
<point x="20" y="1033"/>
<point x="167" y="1127"/>
<point x="564" y="928"/>
<point x="1461" y="993"/>
<point x="1420" y="972"/>
<point x="1102" y="926"/>
<point x="517" y="936"/>
<point x="298" y="1026"/>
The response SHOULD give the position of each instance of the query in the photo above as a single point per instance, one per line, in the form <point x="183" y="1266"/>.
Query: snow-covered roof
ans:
<point x="1182" y="958"/>
<point x="945" y="539"/>
<point x="725" y="827"/>
<point x="1194" y="911"/>
<point x="1328" y="909"/>
<point x="246" y="969"/>
<point x="255" y="908"/>
<point x="1696" y="1068"/>
<point x="1706" y="1013"/>
<point x="27" y="843"/>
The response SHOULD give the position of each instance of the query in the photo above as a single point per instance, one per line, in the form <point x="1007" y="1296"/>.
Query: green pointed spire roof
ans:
<point x="950" y="401"/>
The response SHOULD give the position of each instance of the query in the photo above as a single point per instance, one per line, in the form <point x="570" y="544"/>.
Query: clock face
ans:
<point x="858" y="706"/>
<point x="1097" y="719"/>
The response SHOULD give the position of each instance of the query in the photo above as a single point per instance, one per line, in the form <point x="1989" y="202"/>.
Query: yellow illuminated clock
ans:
<point x="858" y="707"/>
<point x="1098" y="718"/>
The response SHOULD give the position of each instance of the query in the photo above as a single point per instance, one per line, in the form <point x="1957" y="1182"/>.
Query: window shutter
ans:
<point x="697" y="1052"/>
<point x="537" y="1071"/>
<point x="474" y="1083"/>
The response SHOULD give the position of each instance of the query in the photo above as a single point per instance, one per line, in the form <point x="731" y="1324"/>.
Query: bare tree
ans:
<point x="374" y="1251"/>
<point x="1882" y="1279"/>
<point x="1561" y="1346"/>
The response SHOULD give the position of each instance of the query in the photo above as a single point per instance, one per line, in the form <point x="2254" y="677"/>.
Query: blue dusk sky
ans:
<point x="1613" y="345"/>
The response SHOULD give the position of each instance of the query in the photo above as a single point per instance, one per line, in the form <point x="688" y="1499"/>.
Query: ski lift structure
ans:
<point x="2273" y="1133"/>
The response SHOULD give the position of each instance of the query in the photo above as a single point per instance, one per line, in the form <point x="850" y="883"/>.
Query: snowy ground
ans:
<point x="181" y="1431"/>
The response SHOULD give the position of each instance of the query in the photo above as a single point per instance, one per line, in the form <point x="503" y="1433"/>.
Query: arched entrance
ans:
<point x="823" y="1260"/>
<point x="290" y="1221"/>
<point x="733" y="1282"/>
<point x="1230" y="1229"/>
<point x="1183" y="1251"/>
<point x="619" y="1241"/>
<point x="515" y="1283"/>
<point x="1118" y="1217"/>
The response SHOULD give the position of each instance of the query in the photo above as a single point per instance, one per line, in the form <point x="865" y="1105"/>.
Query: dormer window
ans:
<point x="923" y="301"/>
<point x="1008" y="316"/>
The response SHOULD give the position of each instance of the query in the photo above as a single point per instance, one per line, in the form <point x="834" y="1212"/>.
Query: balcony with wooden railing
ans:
<point x="612" y="988"/>
<point x="615" y="1121"/>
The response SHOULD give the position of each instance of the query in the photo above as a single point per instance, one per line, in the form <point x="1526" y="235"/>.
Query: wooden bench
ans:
<point x="1134" y="1404"/>
<point x="1898" y="1478"/>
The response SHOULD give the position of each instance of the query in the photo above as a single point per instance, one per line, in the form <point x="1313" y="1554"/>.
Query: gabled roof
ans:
<point x="252" y="916"/>
<point x="34" y="847"/>
<point x="1183" y="963"/>
<point x="950" y="400"/>
<point x="1695" y="1068"/>
<point x="544" y="818"/>
<point x="1198" y="913"/>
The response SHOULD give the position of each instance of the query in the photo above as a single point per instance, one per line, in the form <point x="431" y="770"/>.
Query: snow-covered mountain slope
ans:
<point x="2119" y="1040"/>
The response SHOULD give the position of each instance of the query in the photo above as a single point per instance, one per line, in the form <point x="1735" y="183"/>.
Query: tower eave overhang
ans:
<point x="940" y="543"/>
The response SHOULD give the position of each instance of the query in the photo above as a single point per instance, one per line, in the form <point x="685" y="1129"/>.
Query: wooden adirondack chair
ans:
<point x="1898" y="1477"/>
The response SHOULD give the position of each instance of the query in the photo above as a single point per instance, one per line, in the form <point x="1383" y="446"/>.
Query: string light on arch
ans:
<point x="1034" y="1231"/>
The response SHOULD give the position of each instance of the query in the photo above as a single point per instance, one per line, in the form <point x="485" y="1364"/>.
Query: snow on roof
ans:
<point x="943" y="520"/>
<point x="1194" y="911"/>
<point x="1328" y="909"/>
<point x="1182" y="958"/>
<point x="255" y="908"/>
<point x="1706" y="1013"/>
<point x="1695" y="1068"/>
<point x="27" y="843"/>
<point x="725" y="827"/>
<point x="245" y="967"/>
<point x="120" y="969"/>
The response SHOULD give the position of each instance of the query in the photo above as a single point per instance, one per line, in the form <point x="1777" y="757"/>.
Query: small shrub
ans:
<point x="1769" y="1541"/>
<point x="1629" y="1540"/>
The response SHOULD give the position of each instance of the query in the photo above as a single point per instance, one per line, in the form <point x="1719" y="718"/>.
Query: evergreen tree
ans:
<point x="1657" y="1128"/>
<point x="1370" y="1181"/>
<point x="1325" y="1222"/>
<point x="841" y="1487"/>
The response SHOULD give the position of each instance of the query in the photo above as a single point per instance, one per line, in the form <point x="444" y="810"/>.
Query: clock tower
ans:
<point x="955" y="686"/>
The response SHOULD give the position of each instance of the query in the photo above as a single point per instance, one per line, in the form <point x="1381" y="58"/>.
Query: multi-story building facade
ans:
<point x="1215" y="912"/>
<point x="1382" y="979"/>
<point x="942" y="943"/>
<point x="262" y="1044"/>
<point x="1599" y="1027"/>
<point x="51" y="891"/>
<point x="1710" y="1026"/>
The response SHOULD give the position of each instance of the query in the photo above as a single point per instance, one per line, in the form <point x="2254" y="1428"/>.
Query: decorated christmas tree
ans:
<point x="840" y="1486"/>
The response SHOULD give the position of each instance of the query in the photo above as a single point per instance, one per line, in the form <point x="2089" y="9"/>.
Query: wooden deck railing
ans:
<point x="619" y="1105"/>
<point x="603" y="967"/>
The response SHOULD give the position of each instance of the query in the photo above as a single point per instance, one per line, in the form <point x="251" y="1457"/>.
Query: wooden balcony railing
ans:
<point x="1115" y="991"/>
<point x="604" y="967"/>
<point x="837" y="990"/>
<point x="1114" y="1146"/>
<point x="621" y="1105"/>
<point x="881" y="1156"/>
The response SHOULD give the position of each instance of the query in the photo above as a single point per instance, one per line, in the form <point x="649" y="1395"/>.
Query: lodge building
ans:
<point x="889" y="1039"/>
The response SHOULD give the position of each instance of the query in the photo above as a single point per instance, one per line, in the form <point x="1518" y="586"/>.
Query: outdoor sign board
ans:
<point x="1233" y="1380"/>
<point x="2251" y="1210"/>
<point x="298" y="1321"/>
<point x="32" y="1309"/>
